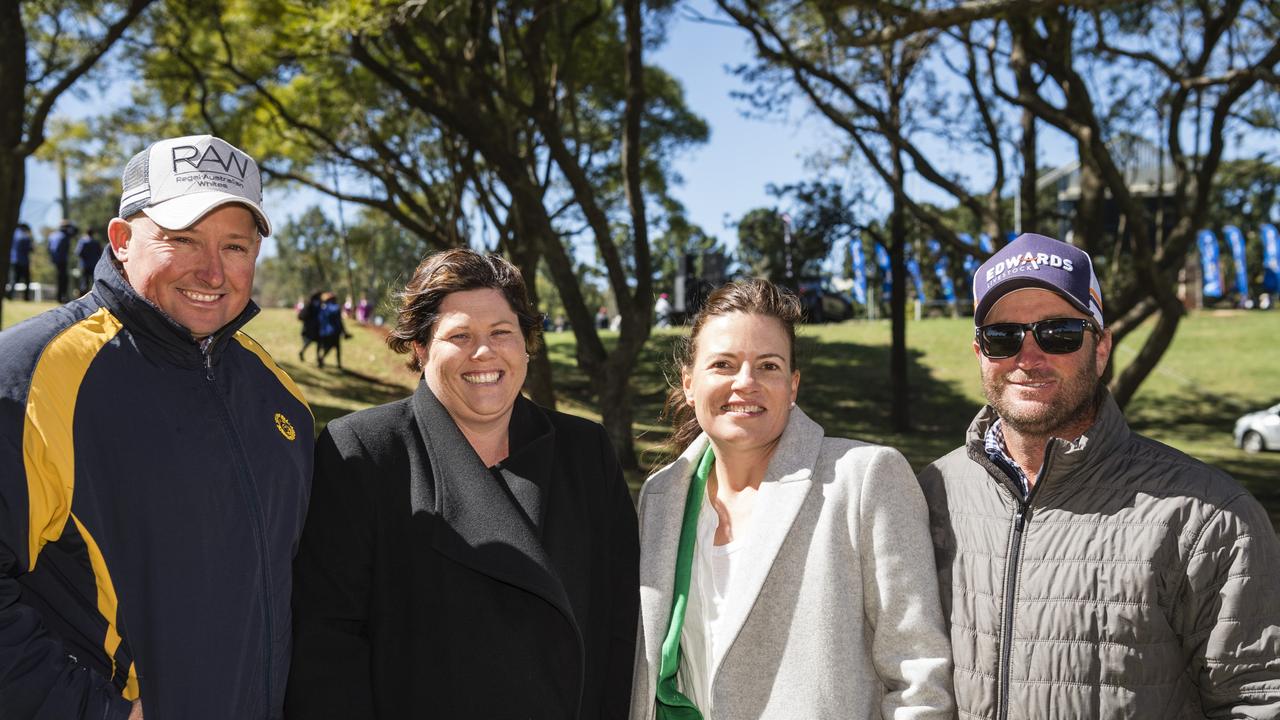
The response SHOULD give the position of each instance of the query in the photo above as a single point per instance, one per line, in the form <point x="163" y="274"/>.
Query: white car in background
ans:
<point x="1259" y="431"/>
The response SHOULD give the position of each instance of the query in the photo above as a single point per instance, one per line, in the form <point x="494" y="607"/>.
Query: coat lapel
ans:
<point x="480" y="525"/>
<point x="661" y="513"/>
<point x="783" y="491"/>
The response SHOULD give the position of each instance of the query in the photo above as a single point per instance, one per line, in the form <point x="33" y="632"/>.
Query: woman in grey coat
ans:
<point x="783" y="573"/>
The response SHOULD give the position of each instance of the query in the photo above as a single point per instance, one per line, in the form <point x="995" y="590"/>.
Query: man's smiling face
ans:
<point x="200" y="276"/>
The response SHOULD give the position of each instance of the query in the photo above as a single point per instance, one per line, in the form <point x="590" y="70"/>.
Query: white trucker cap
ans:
<point x="176" y="182"/>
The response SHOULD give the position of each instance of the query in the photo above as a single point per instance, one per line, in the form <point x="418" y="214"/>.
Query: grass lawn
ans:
<point x="1221" y="365"/>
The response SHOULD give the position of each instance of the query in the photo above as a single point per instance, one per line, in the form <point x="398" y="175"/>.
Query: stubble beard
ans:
<point x="1070" y="414"/>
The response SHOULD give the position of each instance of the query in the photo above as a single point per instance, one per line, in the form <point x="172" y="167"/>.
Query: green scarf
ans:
<point x="671" y="703"/>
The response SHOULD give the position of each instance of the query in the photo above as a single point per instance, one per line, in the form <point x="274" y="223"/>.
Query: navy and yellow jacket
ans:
<point x="151" y="499"/>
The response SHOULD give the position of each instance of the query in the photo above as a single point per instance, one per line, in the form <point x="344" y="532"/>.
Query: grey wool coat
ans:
<point x="840" y="615"/>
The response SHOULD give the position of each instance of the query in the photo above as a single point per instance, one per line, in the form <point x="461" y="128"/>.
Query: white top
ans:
<point x="704" y="638"/>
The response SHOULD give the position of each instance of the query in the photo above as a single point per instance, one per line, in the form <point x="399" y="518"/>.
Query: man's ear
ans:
<point x="1102" y="353"/>
<point x="119" y="233"/>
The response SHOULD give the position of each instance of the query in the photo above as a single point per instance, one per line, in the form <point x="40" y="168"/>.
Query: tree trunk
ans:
<point x="12" y="185"/>
<point x="1127" y="382"/>
<point x="13" y="78"/>
<point x="899" y="382"/>
<point x="1089" y="221"/>
<point x="613" y="387"/>
<point x="538" y="383"/>
<point x="637" y="316"/>
<point x="1027" y="212"/>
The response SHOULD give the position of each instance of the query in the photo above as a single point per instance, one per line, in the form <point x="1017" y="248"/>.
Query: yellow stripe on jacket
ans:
<point x="48" y="453"/>
<point x="252" y="346"/>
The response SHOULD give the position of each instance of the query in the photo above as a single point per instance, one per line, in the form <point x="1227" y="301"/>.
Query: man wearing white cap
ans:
<point x="1087" y="571"/>
<point x="154" y="466"/>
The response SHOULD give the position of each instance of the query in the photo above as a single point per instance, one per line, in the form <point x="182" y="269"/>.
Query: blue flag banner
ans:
<point x="882" y="261"/>
<point x="940" y="268"/>
<point x="970" y="263"/>
<point x="1235" y="239"/>
<point x="913" y="267"/>
<point x="1209" y="263"/>
<point x="944" y="278"/>
<point x="859" y="271"/>
<point x="1270" y="258"/>
<point x="984" y="241"/>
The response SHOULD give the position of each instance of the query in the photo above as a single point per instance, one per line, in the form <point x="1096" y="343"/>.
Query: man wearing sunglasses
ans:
<point x="1087" y="571"/>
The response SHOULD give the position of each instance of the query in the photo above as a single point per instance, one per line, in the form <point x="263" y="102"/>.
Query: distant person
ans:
<point x="88" y="251"/>
<point x="20" y="261"/>
<point x="602" y="318"/>
<point x="331" y="329"/>
<point x="155" y="467"/>
<point x="784" y="573"/>
<point x="362" y="310"/>
<point x="60" y="244"/>
<point x="1088" y="571"/>
<point x="468" y="554"/>
<point x="662" y="311"/>
<point x="309" y="315"/>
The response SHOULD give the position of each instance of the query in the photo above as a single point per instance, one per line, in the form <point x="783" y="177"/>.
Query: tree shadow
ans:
<point x="844" y="387"/>
<point x="356" y="389"/>
<point x="1203" y="422"/>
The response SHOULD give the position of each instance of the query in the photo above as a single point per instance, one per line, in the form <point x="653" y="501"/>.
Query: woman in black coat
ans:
<point x="467" y="553"/>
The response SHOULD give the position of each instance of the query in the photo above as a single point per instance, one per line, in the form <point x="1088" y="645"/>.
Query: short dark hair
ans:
<point x="755" y="296"/>
<point x="450" y="271"/>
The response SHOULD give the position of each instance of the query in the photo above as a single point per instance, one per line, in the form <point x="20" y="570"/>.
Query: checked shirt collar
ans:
<point x="993" y="444"/>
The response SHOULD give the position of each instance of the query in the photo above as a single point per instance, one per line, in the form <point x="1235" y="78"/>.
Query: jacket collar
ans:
<point x="480" y="525"/>
<point x="1063" y="458"/>
<point x="786" y="484"/>
<point x="531" y="443"/>
<point x="144" y="319"/>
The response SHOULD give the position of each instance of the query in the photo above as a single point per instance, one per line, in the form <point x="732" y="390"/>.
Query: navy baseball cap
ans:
<point x="1036" y="261"/>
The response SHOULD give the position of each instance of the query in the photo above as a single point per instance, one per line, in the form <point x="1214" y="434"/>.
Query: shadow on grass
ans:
<point x="356" y="389"/>
<point x="844" y="386"/>
<point x="1200" y="423"/>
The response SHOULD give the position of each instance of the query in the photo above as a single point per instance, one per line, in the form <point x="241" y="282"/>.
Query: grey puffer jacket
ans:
<point x="1134" y="582"/>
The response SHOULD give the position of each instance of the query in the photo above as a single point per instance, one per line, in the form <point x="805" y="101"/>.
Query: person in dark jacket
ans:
<point x="20" y="261"/>
<point x="155" y="467"/>
<point x="467" y="553"/>
<point x="60" y="242"/>
<point x="309" y="315"/>
<point x="330" y="329"/>
<point x="88" y="250"/>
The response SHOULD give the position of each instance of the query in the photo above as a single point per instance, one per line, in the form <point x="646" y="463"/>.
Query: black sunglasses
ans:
<point x="1056" y="336"/>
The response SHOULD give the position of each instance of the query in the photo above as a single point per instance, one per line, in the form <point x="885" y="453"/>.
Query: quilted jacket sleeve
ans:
<point x="1231" y="613"/>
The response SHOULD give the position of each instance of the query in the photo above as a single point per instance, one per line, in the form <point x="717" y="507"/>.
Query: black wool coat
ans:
<point x="423" y="588"/>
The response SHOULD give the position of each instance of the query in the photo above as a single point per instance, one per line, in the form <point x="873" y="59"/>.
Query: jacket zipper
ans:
<point x="259" y="532"/>
<point x="1021" y="517"/>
